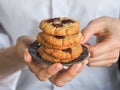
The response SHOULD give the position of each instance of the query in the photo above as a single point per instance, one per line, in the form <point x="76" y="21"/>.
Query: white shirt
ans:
<point x="22" y="17"/>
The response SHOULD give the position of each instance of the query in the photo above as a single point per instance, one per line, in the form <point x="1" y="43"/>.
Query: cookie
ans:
<point x="59" y="42"/>
<point x="60" y="26"/>
<point x="33" y="50"/>
<point x="69" y="53"/>
<point x="50" y="58"/>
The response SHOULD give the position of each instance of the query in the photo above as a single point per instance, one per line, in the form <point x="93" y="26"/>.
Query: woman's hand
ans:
<point x="11" y="58"/>
<point x="106" y="51"/>
<point x="22" y="45"/>
<point x="55" y="72"/>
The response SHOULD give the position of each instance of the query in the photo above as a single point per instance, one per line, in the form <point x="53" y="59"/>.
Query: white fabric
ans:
<point x="10" y="82"/>
<point x="4" y="40"/>
<point x="22" y="17"/>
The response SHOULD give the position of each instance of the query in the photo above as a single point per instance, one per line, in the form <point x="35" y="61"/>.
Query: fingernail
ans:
<point x="57" y="68"/>
<point x="27" y="57"/>
<point x="77" y="67"/>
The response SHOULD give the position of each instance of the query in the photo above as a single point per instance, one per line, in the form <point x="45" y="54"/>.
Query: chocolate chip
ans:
<point x="57" y="25"/>
<point x="67" y="50"/>
<point x="53" y="20"/>
<point x="67" y="21"/>
<point x="60" y="37"/>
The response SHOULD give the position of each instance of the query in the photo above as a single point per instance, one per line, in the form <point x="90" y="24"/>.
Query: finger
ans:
<point x="44" y="71"/>
<point x="23" y="43"/>
<point x="103" y="63"/>
<point x="104" y="47"/>
<point x="89" y="47"/>
<point x="27" y="57"/>
<point x="114" y="54"/>
<point x="67" y="75"/>
<point x="101" y="48"/>
<point x="27" y="39"/>
<point x="92" y="28"/>
<point x="85" y="62"/>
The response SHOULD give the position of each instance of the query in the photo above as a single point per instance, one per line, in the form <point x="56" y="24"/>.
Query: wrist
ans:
<point x="10" y="61"/>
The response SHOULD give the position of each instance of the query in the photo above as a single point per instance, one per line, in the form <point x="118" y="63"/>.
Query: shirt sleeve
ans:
<point x="10" y="82"/>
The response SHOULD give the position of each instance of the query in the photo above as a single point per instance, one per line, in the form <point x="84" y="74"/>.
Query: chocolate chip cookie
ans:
<point x="33" y="50"/>
<point x="59" y="42"/>
<point x="69" y="53"/>
<point x="50" y="58"/>
<point x="60" y="26"/>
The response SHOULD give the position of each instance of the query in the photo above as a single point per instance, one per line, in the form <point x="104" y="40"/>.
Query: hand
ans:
<point x="22" y="45"/>
<point x="55" y="72"/>
<point x="14" y="53"/>
<point x="106" y="51"/>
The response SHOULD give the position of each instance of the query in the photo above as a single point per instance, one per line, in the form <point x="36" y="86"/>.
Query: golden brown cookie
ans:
<point x="59" y="42"/>
<point x="48" y="57"/>
<point x="33" y="50"/>
<point x="60" y="26"/>
<point x="69" y="53"/>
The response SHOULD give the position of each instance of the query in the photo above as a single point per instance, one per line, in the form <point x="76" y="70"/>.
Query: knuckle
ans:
<point x="93" y="55"/>
<point x="73" y="74"/>
<point x="50" y="71"/>
<point x="59" y="83"/>
<point x="90" y="65"/>
<point x="115" y="55"/>
<point x="92" y="21"/>
<point x="42" y="78"/>
<point x="116" y="44"/>
<point x="92" y="51"/>
<point x="103" y="17"/>
<point x="108" y="65"/>
<point x="115" y="60"/>
<point x="20" y="38"/>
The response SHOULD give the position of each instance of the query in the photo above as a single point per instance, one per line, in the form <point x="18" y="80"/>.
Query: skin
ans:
<point x="106" y="51"/>
<point x="106" y="29"/>
<point x="11" y="58"/>
<point x="56" y="73"/>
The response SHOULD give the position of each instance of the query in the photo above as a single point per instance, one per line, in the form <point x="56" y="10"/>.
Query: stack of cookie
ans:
<point x="60" y="40"/>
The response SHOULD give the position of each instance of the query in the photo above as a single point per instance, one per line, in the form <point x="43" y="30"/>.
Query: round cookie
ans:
<point x="59" y="41"/>
<point x="33" y="50"/>
<point x="48" y="57"/>
<point x="60" y="26"/>
<point x="70" y="53"/>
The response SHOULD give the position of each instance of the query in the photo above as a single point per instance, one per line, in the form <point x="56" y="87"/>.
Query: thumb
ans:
<point x="27" y="57"/>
